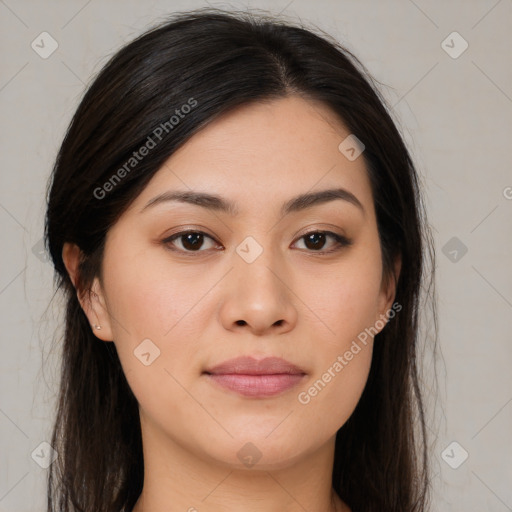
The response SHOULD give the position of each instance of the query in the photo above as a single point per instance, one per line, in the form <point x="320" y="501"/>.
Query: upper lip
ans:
<point x="247" y="365"/>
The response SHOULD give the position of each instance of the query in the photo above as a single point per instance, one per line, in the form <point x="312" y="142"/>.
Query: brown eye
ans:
<point x="315" y="241"/>
<point x="191" y="241"/>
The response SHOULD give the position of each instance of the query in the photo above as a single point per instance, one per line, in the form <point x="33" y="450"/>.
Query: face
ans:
<point x="188" y="285"/>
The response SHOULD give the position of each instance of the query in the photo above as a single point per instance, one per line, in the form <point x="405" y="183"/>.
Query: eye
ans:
<point x="315" y="241"/>
<point x="190" y="241"/>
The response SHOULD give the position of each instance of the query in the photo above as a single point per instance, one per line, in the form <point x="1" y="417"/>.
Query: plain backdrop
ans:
<point x="445" y="68"/>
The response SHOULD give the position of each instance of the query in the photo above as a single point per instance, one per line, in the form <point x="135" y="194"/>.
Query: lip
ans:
<point x="253" y="377"/>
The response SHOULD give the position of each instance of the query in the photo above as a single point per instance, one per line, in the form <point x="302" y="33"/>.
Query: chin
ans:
<point x="257" y="453"/>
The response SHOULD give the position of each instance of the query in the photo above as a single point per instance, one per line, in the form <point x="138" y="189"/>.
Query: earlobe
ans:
<point x="92" y="301"/>
<point x="99" y="311"/>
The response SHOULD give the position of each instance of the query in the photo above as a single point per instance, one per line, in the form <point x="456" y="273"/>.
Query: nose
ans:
<point x="258" y="297"/>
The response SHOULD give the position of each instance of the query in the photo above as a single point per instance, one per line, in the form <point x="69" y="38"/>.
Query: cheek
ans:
<point x="149" y="296"/>
<point x="343" y="359"/>
<point x="155" y="310"/>
<point x="335" y="391"/>
<point x="345" y="297"/>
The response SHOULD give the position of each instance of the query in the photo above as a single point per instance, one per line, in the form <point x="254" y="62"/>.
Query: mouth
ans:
<point x="255" y="378"/>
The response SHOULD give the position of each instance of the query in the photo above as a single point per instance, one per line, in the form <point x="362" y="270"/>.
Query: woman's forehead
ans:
<point x="275" y="151"/>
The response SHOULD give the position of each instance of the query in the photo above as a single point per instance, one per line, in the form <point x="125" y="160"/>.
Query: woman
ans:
<point x="237" y="228"/>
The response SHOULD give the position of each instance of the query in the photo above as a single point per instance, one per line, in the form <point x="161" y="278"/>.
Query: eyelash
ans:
<point x="341" y="240"/>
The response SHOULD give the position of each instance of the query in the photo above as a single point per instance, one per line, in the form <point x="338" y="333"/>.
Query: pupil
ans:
<point x="315" y="237"/>
<point x="193" y="240"/>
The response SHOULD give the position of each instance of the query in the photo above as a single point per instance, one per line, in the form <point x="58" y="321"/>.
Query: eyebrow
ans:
<point x="218" y="203"/>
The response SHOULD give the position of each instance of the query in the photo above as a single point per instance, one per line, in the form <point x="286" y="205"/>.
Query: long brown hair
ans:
<point x="223" y="60"/>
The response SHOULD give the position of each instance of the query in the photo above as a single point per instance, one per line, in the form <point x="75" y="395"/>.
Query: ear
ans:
<point x="388" y="290"/>
<point x="93" y="300"/>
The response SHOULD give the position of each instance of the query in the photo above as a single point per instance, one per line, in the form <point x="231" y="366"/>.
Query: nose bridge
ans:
<point x="258" y="295"/>
<point x="256" y="263"/>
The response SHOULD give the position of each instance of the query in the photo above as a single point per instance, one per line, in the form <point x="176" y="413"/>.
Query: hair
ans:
<point x="219" y="60"/>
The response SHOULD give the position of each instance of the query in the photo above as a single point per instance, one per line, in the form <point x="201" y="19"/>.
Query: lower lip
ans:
<point x="257" y="385"/>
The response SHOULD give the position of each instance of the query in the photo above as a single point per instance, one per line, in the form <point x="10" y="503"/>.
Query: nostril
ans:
<point x="240" y="322"/>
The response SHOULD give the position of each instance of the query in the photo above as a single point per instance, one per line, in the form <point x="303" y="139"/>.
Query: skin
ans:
<point x="205" y="306"/>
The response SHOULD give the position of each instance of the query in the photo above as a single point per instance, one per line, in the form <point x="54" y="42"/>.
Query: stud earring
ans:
<point x="97" y="327"/>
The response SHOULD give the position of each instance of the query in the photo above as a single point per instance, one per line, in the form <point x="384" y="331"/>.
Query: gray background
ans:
<point x="455" y="114"/>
